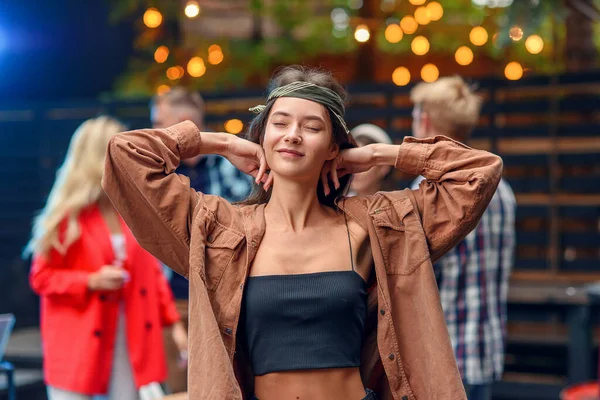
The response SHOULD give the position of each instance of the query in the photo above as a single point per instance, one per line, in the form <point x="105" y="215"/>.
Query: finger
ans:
<point x="261" y="169"/>
<point x="268" y="182"/>
<point x="324" y="178"/>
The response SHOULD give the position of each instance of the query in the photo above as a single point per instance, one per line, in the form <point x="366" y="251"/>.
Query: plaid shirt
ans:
<point x="217" y="176"/>
<point x="473" y="284"/>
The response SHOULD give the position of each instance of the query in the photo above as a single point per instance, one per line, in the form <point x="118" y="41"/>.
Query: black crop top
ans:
<point x="304" y="321"/>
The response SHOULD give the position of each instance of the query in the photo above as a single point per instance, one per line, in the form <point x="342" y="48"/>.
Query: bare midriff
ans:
<point x="313" y="384"/>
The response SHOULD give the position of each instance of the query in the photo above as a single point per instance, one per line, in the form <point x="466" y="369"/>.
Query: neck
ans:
<point x="373" y="188"/>
<point x="294" y="205"/>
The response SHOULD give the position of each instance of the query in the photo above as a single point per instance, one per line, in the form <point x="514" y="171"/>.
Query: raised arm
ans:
<point x="458" y="186"/>
<point x="156" y="203"/>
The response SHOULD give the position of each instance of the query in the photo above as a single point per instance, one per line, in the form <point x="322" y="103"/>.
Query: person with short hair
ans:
<point x="473" y="276"/>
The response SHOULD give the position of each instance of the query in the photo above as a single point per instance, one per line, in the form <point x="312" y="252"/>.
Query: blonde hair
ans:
<point x="77" y="185"/>
<point x="452" y="106"/>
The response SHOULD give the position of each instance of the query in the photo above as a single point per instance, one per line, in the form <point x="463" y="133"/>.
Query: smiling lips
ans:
<point x="290" y="153"/>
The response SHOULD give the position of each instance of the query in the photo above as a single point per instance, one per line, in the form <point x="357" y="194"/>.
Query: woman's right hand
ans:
<point x="108" y="277"/>
<point x="249" y="158"/>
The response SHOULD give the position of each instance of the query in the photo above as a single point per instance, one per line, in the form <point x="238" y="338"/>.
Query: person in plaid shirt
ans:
<point x="209" y="174"/>
<point x="473" y="276"/>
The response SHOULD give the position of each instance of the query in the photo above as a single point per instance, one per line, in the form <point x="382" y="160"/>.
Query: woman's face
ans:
<point x="298" y="139"/>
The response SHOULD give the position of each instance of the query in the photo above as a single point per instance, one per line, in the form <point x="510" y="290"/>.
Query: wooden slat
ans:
<point x="560" y="199"/>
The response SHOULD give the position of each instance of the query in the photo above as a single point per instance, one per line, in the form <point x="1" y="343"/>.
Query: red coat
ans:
<point x="78" y="325"/>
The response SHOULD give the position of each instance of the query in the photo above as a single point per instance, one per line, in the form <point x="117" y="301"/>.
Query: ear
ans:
<point x="334" y="150"/>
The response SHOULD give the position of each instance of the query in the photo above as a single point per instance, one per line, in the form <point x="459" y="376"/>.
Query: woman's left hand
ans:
<point x="349" y="161"/>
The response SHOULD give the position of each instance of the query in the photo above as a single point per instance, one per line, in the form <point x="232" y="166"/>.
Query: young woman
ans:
<point x="104" y="299"/>
<point x="278" y="284"/>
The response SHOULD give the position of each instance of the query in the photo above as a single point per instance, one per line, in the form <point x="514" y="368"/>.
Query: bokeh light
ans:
<point x="393" y="33"/>
<point x="513" y="71"/>
<point x="435" y="10"/>
<point x="192" y="9"/>
<point x="196" y="67"/>
<point x="430" y="73"/>
<point x="408" y="24"/>
<point x="152" y="18"/>
<point x="234" y="126"/>
<point x="478" y="36"/>
<point x="420" y="45"/>
<point x="361" y="34"/>
<point x="161" y="54"/>
<point x="534" y="44"/>
<point x="463" y="55"/>
<point x="401" y="76"/>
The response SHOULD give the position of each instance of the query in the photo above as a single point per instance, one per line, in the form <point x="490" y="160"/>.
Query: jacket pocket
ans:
<point x="400" y="236"/>
<point x="221" y="244"/>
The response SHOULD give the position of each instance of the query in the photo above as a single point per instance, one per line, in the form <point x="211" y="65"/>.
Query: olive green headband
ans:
<point x="312" y="92"/>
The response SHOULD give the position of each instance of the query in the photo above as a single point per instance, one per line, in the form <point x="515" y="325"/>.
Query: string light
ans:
<point x="215" y="54"/>
<point x="174" y="73"/>
<point x="161" y="54"/>
<point x="361" y="34"/>
<point x="393" y="33"/>
<point x="192" y="9"/>
<point x="234" y="126"/>
<point x="515" y="33"/>
<point x="417" y="2"/>
<point x="513" y="71"/>
<point x="152" y="18"/>
<point x="408" y="24"/>
<point x="196" y="67"/>
<point x="534" y="44"/>
<point x="429" y="73"/>
<point x="478" y="36"/>
<point x="463" y="55"/>
<point x="401" y="76"/>
<point x="420" y="45"/>
<point x="435" y="11"/>
<point x="422" y="15"/>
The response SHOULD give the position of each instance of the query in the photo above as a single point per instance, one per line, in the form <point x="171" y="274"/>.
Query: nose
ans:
<point x="293" y="135"/>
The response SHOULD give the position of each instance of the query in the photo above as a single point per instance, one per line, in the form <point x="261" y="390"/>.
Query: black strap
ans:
<point x="349" y="241"/>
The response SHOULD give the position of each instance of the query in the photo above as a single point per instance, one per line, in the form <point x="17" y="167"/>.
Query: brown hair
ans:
<point x="452" y="106"/>
<point x="257" y="128"/>
<point x="180" y="97"/>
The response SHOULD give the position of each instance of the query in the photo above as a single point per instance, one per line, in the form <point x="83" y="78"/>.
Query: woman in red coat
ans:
<point x="104" y="299"/>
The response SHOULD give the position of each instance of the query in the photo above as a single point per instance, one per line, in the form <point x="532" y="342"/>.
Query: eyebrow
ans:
<point x="308" y="117"/>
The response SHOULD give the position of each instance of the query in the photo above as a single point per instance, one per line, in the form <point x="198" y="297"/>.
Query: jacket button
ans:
<point x="210" y="238"/>
<point x="97" y="333"/>
<point x="228" y="331"/>
<point x="143" y="292"/>
<point x="404" y="397"/>
<point x="253" y="243"/>
<point x="382" y="311"/>
<point x="391" y="356"/>
<point x="102" y="297"/>
<point x="242" y="286"/>
<point x="148" y="326"/>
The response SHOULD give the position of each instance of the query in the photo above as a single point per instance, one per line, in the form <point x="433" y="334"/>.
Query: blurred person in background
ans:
<point x="104" y="299"/>
<point x="277" y="287"/>
<point x="473" y="276"/>
<point x="371" y="181"/>
<point x="209" y="174"/>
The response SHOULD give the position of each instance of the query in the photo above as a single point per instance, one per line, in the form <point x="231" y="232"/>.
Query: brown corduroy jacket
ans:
<point x="406" y="354"/>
